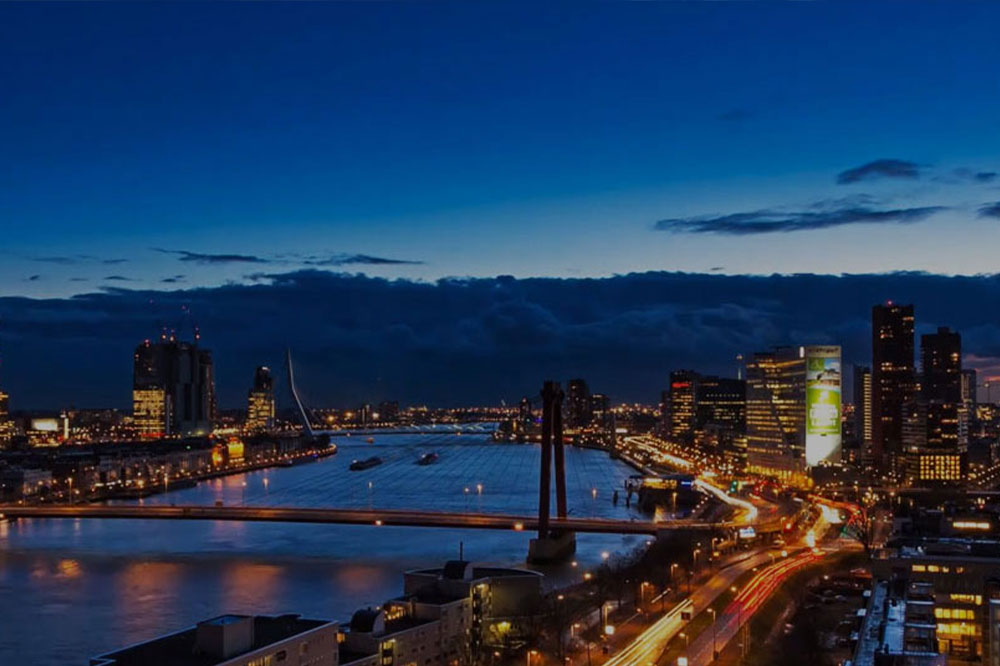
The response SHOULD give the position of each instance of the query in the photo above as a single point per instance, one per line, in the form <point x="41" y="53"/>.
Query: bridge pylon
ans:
<point x="551" y="545"/>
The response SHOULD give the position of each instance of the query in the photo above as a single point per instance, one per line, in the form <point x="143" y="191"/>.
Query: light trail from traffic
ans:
<point x="647" y="648"/>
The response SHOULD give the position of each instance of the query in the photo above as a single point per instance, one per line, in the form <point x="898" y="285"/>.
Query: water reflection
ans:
<point x="90" y="586"/>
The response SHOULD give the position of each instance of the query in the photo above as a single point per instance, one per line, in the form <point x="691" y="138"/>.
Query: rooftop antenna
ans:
<point x="295" y="395"/>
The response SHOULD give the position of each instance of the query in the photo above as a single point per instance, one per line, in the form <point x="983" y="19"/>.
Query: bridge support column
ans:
<point x="551" y="546"/>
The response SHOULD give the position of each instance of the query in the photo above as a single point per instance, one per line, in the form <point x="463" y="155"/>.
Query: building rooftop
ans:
<point x="181" y="649"/>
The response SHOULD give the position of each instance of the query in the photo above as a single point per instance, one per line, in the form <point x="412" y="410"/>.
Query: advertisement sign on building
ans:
<point x="823" y="391"/>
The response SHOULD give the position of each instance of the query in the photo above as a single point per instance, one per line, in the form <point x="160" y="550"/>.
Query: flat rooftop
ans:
<point x="179" y="649"/>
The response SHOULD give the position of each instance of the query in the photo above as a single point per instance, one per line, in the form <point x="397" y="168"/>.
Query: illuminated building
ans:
<point x="936" y="422"/>
<point x="953" y="561"/>
<point x="6" y="425"/>
<point x="260" y="402"/>
<point x="776" y="414"/>
<point x="969" y="397"/>
<point x="173" y="389"/>
<point x="681" y="408"/>
<point x="793" y="411"/>
<point x="863" y="410"/>
<point x="893" y="382"/>
<point x="578" y="408"/>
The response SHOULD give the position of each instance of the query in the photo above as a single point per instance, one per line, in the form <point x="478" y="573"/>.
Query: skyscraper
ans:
<point x="893" y="382"/>
<point x="6" y="425"/>
<point x="720" y="402"/>
<point x="683" y="384"/>
<point x="173" y="389"/>
<point x="578" y="409"/>
<point x="260" y="402"/>
<point x="938" y="454"/>
<point x="863" y="410"/>
<point x="776" y="414"/>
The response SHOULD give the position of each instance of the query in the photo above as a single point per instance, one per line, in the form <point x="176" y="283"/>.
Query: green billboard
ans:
<point x="823" y="392"/>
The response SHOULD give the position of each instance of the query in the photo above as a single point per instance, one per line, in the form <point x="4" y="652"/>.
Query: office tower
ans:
<point x="893" y="382"/>
<point x="793" y="411"/>
<point x="578" y="410"/>
<point x="969" y="397"/>
<point x="600" y="409"/>
<point x="863" y="410"/>
<point x="938" y="453"/>
<point x="681" y="405"/>
<point x="776" y="414"/>
<point x="720" y="403"/>
<point x="173" y="389"/>
<point x="260" y="402"/>
<point x="6" y="425"/>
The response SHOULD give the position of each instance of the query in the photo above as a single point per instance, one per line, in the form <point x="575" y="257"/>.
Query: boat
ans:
<point x="428" y="458"/>
<point x="370" y="440"/>
<point x="367" y="463"/>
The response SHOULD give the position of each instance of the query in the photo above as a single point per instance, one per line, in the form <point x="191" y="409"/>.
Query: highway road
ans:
<point x="650" y="645"/>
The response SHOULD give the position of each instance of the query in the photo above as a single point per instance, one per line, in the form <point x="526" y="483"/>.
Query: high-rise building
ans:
<point x="578" y="408"/>
<point x="776" y="414"/>
<point x="720" y="402"/>
<point x="893" y="382"/>
<point x="938" y="453"/>
<point x="173" y="389"/>
<point x="260" y="402"/>
<point x="6" y="425"/>
<point x="793" y="411"/>
<point x="600" y="408"/>
<point x="969" y="387"/>
<point x="863" y="410"/>
<point x="683" y="385"/>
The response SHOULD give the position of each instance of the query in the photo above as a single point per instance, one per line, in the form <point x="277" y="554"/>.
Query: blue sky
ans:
<point x="479" y="140"/>
<point x="247" y="162"/>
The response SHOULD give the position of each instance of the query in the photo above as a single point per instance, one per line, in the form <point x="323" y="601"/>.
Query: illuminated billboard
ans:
<point x="823" y="390"/>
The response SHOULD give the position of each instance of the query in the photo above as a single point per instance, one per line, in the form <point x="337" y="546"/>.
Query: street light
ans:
<point x="528" y="656"/>
<point x="715" y="654"/>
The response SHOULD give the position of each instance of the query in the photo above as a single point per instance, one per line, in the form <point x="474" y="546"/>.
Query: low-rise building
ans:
<point x="237" y="640"/>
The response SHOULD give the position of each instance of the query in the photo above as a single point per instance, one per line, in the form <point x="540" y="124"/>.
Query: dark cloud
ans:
<point x="79" y="279"/>
<point x="990" y="210"/>
<point x="33" y="278"/>
<point x="204" y="258"/>
<point x="76" y="259"/>
<point x="716" y="269"/>
<point x="985" y="176"/>
<point x="736" y="115"/>
<point x="771" y="220"/>
<point x="884" y="168"/>
<point x="118" y="278"/>
<point x="173" y="279"/>
<point x="358" y="259"/>
<point x="359" y="339"/>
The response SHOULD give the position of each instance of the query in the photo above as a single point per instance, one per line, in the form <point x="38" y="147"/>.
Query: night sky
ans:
<point x="351" y="179"/>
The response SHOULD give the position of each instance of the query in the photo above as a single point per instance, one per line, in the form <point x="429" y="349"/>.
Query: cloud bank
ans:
<point x="460" y="341"/>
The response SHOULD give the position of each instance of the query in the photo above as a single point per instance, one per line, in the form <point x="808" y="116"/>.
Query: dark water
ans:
<point x="72" y="589"/>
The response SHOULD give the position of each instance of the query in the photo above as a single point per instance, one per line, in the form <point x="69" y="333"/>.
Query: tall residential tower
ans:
<point x="893" y="383"/>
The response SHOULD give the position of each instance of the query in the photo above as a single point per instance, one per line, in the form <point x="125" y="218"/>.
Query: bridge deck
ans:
<point x="349" y="517"/>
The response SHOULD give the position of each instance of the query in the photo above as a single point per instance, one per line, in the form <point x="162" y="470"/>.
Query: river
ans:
<point x="72" y="589"/>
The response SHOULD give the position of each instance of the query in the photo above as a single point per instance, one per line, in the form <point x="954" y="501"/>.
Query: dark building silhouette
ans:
<point x="578" y="407"/>
<point x="893" y="383"/>
<point x="937" y="430"/>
